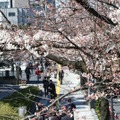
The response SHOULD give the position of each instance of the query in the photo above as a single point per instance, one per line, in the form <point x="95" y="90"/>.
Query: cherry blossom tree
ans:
<point x="81" y="33"/>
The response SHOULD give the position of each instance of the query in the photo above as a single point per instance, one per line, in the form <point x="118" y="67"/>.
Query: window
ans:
<point x="11" y="14"/>
<point x="3" y="4"/>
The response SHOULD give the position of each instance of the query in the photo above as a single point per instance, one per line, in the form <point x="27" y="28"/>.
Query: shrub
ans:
<point x="9" y="105"/>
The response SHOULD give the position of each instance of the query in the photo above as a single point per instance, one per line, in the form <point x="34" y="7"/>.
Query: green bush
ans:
<point x="98" y="108"/>
<point x="9" y="105"/>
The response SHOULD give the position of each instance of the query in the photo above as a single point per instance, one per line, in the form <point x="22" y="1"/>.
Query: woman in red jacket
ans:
<point x="37" y="72"/>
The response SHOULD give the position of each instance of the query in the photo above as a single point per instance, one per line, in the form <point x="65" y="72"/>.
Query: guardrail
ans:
<point x="8" y="77"/>
<point x="6" y="73"/>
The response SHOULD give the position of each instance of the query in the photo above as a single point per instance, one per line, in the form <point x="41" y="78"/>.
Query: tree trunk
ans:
<point x="104" y="109"/>
<point x="79" y="65"/>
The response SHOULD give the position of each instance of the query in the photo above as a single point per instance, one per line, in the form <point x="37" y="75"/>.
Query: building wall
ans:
<point x="12" y="15"/>
<point x="24" y="16"/>
<point x="20" y="3"/>
<point x="4" y="4"/>
<point x="14" y="3"/>
<point x="2" y="19"/>
<point x="16" y="11"/>
<point x="17" y="16"/>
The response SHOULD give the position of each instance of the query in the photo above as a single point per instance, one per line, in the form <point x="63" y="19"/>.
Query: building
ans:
<point x="17" y="16"/>
<point x="16" y="11"/>
<point x="14" y="3"/>
<point x="58" y="2"/>
<point x="4" y="4"/>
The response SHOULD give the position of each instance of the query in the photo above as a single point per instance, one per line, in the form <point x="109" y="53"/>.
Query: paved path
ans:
<point x="70" y="81"/>
<point x="83" y="111"/>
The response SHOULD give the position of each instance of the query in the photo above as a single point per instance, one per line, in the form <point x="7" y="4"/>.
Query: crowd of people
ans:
<point x="38" y="67"/>
<point x="43" y="70"/>
<point x="65" y="112"/>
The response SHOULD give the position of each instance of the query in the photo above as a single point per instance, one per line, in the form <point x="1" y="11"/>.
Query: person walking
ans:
<point x="45" y="86"/>
<point x="48" y="74"/>
<point x="61" y="76"/>
<point x="37" y="72"/>
<point x="12" y="69"/>
<point x="27" y="71"/>
<point x="52" y="89"/>
<point x="71" y="105"/>
<point x="31" y="67"/>
<point x="55" y="73"/>
<point x="20" y="72"/>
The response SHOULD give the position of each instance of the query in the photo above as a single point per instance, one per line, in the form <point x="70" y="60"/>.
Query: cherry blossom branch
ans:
<point x="110" y="4"/>
<point x="77" y="47"/>
<point x="56" y="100"/>
<point x="92" y="11"/>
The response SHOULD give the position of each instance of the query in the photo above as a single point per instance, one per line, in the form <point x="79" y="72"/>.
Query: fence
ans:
<point x="6" y="73"/>
<point x="7" y="77"/>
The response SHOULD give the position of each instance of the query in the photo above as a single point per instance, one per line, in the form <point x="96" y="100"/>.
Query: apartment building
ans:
<point x="16" y="11"/>
<point x="17" y="16"/>
<point x="14" y="3"/>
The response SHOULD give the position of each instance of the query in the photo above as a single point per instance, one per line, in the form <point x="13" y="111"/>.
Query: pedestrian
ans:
<point x="40" y="106"/>
<point x="41" y="60"/>
<point x="31" y="67"/>
<point x="61" y="76"/>
<point x="45" y="86"/>
<point x="47" y="63"/>
<point x="20" y="72"/>
<point x="55" y="73"/>
<point x="71" y="105"/>
<point x="48" y="75"/>
<point x="12" y="69"/>
<point x="37" y="72"/>
<point x="63" y="112"/>
<point x="52" y="89"/>
<point x="41" y="68"/>
<point x="27" y="71"/>
<point x="54" y="116"/>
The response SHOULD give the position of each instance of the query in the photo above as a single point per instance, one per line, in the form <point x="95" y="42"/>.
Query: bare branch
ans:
<point x="110" y="4"/>
<point x="5" y="17"/>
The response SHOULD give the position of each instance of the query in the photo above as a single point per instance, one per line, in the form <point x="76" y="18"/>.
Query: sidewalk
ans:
<point x="83" y="111"/>
<point x="70" y="81"/>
